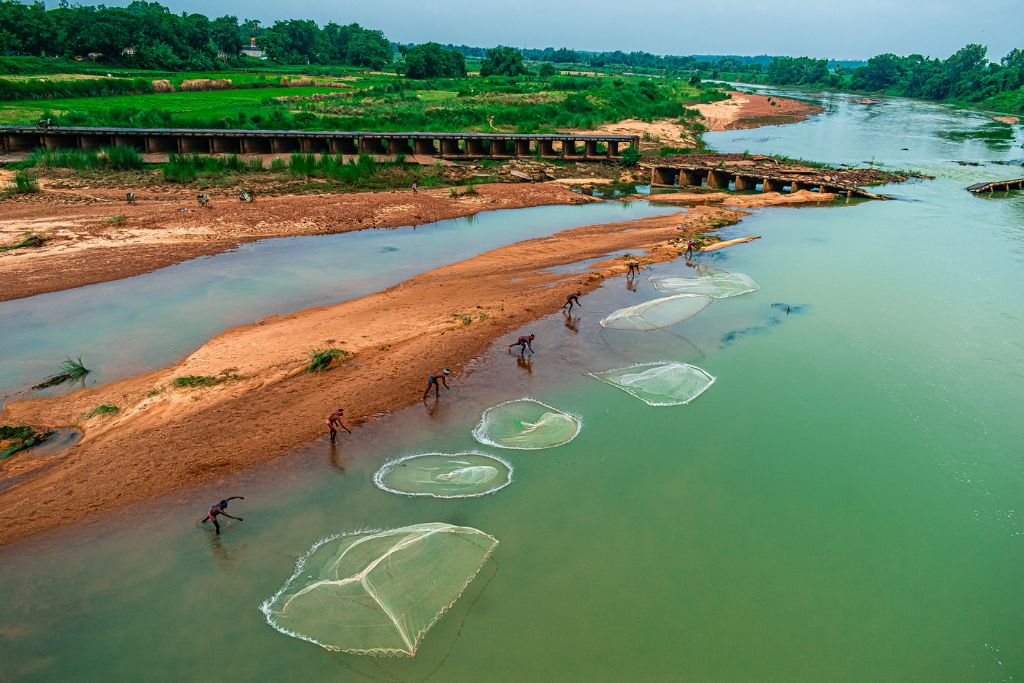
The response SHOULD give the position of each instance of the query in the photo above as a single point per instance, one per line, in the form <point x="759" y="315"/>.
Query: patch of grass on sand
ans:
<point x="15" y="439"/>
<point x="322" y="359"/>
<point x="29" y="241"/>
<point x="25" y="183"/>
<point x="104" y="409"/>
<point x="196" y="381"/>
<point x="70" y="371"/>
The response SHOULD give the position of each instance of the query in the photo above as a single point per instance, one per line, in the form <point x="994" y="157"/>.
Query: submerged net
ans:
<point x="378" y="593"/>
<point x="659" y="384"/>
<point x="657" y="313"/>
<point x="443" y="475"/>
<point x="527" y="425"/>
<point x="717" y="286"/>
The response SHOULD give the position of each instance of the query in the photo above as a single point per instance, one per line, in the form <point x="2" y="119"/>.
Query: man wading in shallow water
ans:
<point x="523" y="343"/>
<point x="571" y="300"/>
<point x="219" y="509"/>
<point x="334" y="421"/>
<point x="436" y="379"/>
<point x="634" y="269"/>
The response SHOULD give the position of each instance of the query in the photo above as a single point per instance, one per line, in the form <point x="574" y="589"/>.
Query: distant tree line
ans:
<point x="147" y="35"/>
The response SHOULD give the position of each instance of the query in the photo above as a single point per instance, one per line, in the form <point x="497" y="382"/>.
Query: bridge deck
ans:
<point x="997" y="186"/>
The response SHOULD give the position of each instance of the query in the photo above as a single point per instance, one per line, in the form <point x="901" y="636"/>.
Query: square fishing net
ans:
<point x="378" y="593"/>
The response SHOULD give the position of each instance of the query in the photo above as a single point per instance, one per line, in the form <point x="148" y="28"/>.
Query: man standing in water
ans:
<point x="634" y="269"/>
<point x="219" y="509"/>
<point x="691" y="247"/>
<point x="334" y="421"/>
<point x="571" y="300"/>
<point x="523" y="343"/>
<point x="436" y="379"/>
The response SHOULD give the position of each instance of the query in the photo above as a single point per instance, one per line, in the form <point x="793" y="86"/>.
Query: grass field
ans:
<point x="374" y="102"/>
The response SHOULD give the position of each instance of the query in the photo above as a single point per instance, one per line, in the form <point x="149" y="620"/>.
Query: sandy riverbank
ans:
<point x="165" y="438"/>
<point x="747" y="110"/>
<point x="744" y="201"/>
<point x="94" y="236"/>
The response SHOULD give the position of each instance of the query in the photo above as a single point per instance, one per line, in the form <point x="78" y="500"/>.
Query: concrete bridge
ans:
<point x="215" y="141"/>
<point x="714" y="177"/>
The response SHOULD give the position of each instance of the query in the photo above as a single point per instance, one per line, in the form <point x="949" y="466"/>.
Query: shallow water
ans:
<point x="844" y="503"/>
<point x="142" y="323"/>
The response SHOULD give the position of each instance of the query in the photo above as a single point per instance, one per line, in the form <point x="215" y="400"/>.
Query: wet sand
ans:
<point x="166" y="438"/>
<point x="747" y="110"/>
<point x="88" y="244"/>
<point x="744" y="201"/>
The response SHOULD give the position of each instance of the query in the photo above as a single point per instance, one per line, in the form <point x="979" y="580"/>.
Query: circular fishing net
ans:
<point x="659" y="384"/>
<point x="443" y="475"/>
<point x="527" y="425"/>
<point x="657" y="313"/>
<point x="717" y="286"/>
<point x="378" y="593"/>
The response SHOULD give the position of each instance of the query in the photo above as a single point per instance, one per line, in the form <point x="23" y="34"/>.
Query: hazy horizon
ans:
<point x="785" y="27"/>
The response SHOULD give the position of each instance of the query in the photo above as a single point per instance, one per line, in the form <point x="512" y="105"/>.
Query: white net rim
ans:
<point x="606" y="321"/>
<point x="300" y="565"/>
<point x="658" y="404"/>
<point x="657" y="281"/>
<point x="383" y="470"/>
<point x="477" y="431"/>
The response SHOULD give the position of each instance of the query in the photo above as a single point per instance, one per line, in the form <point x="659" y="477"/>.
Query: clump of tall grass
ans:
<point x="15" y="439"/>
<point x="118" y="158"/>
<point x="182" y="168"/>
<point x="104" y="409"/>
<point x="321" y="359"/>
<point x="353" y="171"/>
<point x="25" y="183"/>
<point x="29" y="241"/>
<point x="70" y="371"/>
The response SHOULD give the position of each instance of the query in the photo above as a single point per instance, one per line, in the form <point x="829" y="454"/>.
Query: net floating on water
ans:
<point x="526" y="424"/>
<point x="444" y="475"/>
<point x="657" y="313"/>
<point x="659" y="384"/>
<point x="717" y="286"/>
<point x="378" y="593"/>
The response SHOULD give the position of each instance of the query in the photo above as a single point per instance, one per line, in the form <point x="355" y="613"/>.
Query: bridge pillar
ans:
<point x="569" y="150"/>
<point x="315" y="145"/>
<point x="424" y="147"/>
<point x="135" y="141"/>
<point x="772" y="185"/>
<point x="613" y="150"/>
<point x="195" y="145"/>
<point x="22" y="142"/>
<point x="502" y="149"/>
<point x="284" y="145"/>
<point x="663" y="177"/>
<point x="744" y="182"/>
<point x="52" y="142"/>
<point x="694" y="177"/>
<point x="256" y="146"/>
<point x="591" y="150"/>
<point x="718" y="179"/>
<point x="343" y="146"/>
<point x="158" y="144"/>
<point x="226" y="145"/>
<point x="450" y="148"/>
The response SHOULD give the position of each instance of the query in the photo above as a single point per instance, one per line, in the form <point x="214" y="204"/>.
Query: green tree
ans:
<point x="547" y="70"/>
<point x="503" y="61"/>
<point x="430" y="60"/>
<point x="224" y="34"/>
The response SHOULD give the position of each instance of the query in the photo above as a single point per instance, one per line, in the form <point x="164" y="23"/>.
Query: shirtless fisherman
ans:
<point x="334" y="421"/>
<point x="523" y="343"/>
<point x="436" y="379"/>
<point x="219" y="509"/>
<point x="573" y="300"/>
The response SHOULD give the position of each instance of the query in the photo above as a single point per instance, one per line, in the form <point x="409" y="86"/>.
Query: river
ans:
<point x="846" y="502"/>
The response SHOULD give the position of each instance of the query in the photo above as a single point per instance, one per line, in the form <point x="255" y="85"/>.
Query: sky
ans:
<point x="817" y="28"/>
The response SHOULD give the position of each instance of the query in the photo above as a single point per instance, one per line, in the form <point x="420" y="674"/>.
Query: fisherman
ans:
<point x="523" y="343"/>
<point x="691" y="247"/>
<point x="573" y="299"/>
<point x="634" y="269"/>
<point x="414" y="186"/>
<point x="219" y="509"/>
<point x="204" y="200"/>
<point x="130" y="197"/>
<point x="436" y="379"/>
<point x="244" y="197"/>
<point x="334" y="421"/>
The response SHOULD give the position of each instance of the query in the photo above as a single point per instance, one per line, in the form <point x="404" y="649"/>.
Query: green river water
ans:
<point x="845" y="503"/>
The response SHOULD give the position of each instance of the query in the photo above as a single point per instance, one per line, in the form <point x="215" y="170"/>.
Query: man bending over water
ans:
<point x="523" y="343"/>
<point x="334" y="421"/>
<point x="219" y="509"/>
<point x="436" y="379"/>
<point x="571" y="300"/>
<point x="634" y="269"/>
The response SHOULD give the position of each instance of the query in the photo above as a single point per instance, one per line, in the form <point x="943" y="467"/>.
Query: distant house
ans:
<point x="253" y="50"/>
<point x="129" y="51"/>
